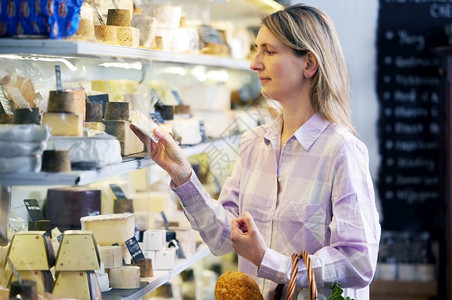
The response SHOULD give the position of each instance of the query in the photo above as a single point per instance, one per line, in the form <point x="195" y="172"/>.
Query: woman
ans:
<point x="299" y="183"/>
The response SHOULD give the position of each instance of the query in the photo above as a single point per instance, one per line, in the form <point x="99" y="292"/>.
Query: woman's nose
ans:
<point x="256" y="64"/>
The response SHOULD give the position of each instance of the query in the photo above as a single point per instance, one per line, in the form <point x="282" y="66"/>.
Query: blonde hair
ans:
<point x="307" y="29"/>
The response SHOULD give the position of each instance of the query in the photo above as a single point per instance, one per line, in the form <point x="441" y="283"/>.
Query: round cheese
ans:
<point x="118" y="17"/>
<point x="27" y="116"/>
<point x="106" y="34"/>
<point x="56" y="161"/>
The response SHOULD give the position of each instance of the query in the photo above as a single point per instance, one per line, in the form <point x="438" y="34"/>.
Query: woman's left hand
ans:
<point x="246" y="239"/>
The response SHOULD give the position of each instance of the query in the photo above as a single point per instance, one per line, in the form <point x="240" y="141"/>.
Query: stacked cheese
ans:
<point x="117" y="124"/>
<point x="77" y="259"/>
<point x="155" y="248"/>
<point x="114" y="229"/>
<point x="32" y="255"/>
<point x="127" y="35"/>
<point x="61" y="115"/>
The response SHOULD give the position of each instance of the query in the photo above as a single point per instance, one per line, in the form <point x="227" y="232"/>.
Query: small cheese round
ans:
<point x="56" y="161"/>
<point x="117" y="111"/>
<point x="60" y="101"/>
<point x="238" y="286"/>
<point x="118" y="17"/>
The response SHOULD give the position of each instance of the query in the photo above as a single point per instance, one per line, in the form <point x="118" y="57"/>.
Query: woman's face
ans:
<point x="280" y="71"/>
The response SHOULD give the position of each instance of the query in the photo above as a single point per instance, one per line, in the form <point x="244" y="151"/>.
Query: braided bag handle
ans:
<point x="293" y="276"/>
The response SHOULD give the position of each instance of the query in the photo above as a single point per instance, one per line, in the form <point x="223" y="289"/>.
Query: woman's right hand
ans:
<point x="167" y="154"/>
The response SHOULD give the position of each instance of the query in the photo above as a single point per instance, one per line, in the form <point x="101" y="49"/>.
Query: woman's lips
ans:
<point x="264" y="79"/>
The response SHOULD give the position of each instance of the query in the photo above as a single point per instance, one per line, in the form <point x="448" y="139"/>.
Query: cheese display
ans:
<point x="111" y="228"/>
<point x="56" y="161"/>
<point x="117" y="111"/>
<point x="128" y="140"/>
<point x="125" y="277"/>
<point x="62" y="102"/>
<point x="27" y="116"/>
<point x="77" y="252"/>
<point x="30" y="250"/>
<point x="77" y="285"/>
<point x="111" y="256"/>
<point x="106" y="34"/>
<point x="65" y="206"/>
<point x="63" y="124"/>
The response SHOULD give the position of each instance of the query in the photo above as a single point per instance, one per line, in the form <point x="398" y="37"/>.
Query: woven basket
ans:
<point x="293" y="277"/>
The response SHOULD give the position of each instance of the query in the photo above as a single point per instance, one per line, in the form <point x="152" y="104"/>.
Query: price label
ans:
<point x="34" y="211"/>
<point x="134" y="249"/>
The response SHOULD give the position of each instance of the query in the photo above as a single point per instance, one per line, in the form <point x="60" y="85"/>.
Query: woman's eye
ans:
<point x="269" y="52"/>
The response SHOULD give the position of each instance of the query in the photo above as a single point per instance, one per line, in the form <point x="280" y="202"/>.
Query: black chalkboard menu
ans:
<point x="408" y="87"/>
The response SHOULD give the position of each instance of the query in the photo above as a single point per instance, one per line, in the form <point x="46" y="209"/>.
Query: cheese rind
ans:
<point x="110" y="229"/>
<point x="130" y="143"/>
<point x="63" y="124"/>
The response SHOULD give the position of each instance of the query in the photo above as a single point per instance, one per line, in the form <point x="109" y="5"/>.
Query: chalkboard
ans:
<point x="408" y="87"/>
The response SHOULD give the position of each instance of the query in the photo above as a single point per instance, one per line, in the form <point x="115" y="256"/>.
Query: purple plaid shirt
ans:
<point x="316" y="194"/>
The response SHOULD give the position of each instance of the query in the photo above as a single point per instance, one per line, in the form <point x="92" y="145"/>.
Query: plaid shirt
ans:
<point x="316" y="194"/>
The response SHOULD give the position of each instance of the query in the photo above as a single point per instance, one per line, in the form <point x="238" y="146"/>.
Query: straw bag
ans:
<point x="293" y="276"/>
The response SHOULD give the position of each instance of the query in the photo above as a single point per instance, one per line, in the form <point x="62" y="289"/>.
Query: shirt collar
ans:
<point x="306" y="135"/>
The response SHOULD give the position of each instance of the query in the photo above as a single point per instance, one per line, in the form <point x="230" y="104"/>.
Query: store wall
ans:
<point x="356" y="23"/>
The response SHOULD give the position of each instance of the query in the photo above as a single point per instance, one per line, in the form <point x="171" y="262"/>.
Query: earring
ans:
<point x="306" y="75"/>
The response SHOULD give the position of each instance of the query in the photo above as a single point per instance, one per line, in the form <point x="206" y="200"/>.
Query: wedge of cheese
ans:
<point x="63" y="124"/>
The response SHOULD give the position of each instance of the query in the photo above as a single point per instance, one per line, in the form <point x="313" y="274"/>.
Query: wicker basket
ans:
<point x="293" y="276"/>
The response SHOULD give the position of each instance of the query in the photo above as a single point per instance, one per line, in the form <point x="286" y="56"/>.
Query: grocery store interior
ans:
<point x="186" y="64"/>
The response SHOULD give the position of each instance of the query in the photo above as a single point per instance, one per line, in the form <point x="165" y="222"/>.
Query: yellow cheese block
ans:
<point x="125" y="277"/>
<point x="94" y="125"/>
<point x="63" y="124"/>
<point x="77" y="285"/>
<point x="110" y="229"/>
<point x="30" y="250"/>
<point x="77" y="252"/>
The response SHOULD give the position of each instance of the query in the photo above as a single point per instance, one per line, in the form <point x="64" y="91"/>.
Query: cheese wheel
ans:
<point x="118" y="17"/>
<point x="106" y="33"/>
<point x="111" y="228"/>
<point x="79" y="100"/>
<point x="125" y="277"/>
<point x="56" y="161"/>
<point x="65" y="206"/>
<point x="62" y="102"/>
<point x="85" y="28"/>
<point x="117" y="111"/>
<point x="27" y="116"/>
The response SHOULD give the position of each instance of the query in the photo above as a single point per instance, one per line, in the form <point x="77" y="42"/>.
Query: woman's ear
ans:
<point x="311" y="66"/>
